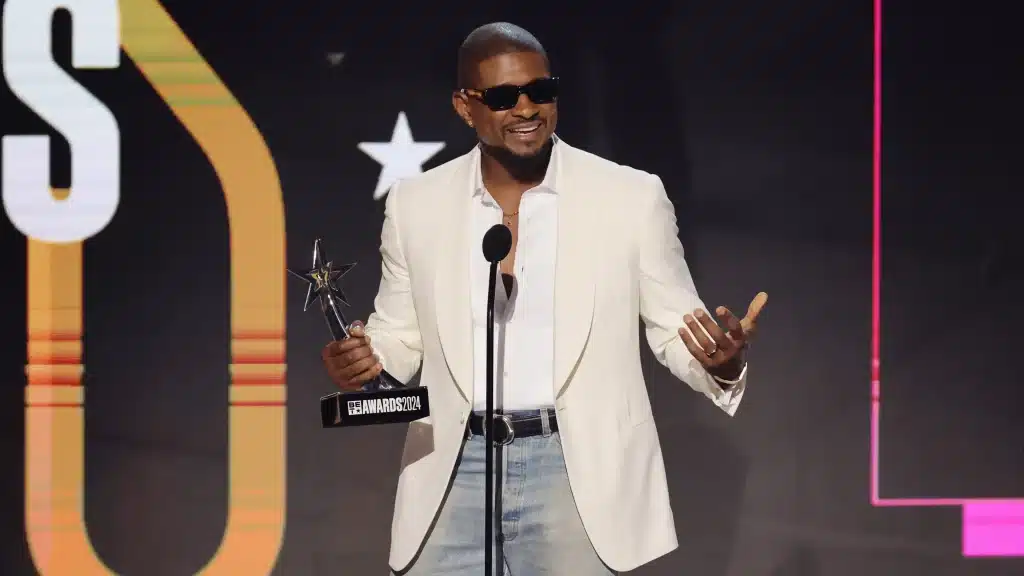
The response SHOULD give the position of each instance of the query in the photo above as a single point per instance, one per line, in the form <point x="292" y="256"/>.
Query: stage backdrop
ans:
<point x="163" y="162"/>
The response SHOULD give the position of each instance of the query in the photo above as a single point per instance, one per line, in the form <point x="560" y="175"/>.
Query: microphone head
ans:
<point x="497" y="243"/>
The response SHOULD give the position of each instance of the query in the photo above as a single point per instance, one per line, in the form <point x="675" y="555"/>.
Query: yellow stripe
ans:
<point x="54" y="395"/>
<point x="257" y="393"/>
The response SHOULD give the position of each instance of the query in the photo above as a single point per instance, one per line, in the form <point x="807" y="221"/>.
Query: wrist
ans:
<point x="731" y="371"/>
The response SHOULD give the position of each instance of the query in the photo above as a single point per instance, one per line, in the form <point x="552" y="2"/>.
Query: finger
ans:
<point x="331" y="350"/>
<point x="356" y="384"/>
<point x="721" y="341"/>
<point x="731" y="323"/>
<point x="356" y="330"/>
<point x="339" y="362"/>
<point x="705" y="343"/>
<point x="749" y="328"/>
<point x="694" y="348"/>
<point x="756" y="305"/>
<point x="349" y="372"/>
<point x="340" y="347"/>
<point x="353" y="356"/>
<point x="366" y="375"/>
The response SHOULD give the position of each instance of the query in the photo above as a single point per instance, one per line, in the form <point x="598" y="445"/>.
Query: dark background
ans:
<point x="758" y="117"/>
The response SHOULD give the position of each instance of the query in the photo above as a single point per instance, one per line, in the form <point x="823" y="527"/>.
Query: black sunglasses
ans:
<point x="506" y="96"/>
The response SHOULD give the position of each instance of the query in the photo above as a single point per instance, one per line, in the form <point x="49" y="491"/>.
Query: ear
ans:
<point x="461" y="105"/>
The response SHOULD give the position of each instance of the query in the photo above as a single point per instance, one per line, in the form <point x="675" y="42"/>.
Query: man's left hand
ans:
<point x="723" y="354"/>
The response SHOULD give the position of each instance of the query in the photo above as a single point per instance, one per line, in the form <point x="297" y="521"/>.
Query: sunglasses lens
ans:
<point x="542" y="91"/>
<point x="501" y="97"/>
<point x="505" y="97"/>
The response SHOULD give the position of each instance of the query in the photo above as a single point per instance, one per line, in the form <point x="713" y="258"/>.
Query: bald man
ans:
<point x="581" y="481"/>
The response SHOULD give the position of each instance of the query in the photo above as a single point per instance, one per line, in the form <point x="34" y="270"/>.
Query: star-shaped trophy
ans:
<point x="384" y="399"/>
<point x="322" y="280"/>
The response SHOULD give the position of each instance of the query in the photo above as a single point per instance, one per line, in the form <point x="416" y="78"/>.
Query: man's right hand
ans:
<point x="351" y="362"/>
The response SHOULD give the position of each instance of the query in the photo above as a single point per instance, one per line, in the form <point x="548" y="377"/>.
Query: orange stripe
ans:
<point x="54" y="336"/>
<point x="238" y="358"/>
<point x="258" y="335"/>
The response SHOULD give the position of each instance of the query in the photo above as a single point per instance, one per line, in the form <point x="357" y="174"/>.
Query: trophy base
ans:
<point x="366" y="408"/>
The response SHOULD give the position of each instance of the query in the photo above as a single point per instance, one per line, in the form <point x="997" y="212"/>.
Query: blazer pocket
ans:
<point x="638" y="404"/>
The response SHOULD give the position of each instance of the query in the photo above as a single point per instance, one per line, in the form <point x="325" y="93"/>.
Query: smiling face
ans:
<point x="524" y="129"/>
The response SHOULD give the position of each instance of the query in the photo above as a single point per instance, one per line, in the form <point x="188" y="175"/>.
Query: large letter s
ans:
<point x="54" y="413"/>
<point x="88" y="126"/>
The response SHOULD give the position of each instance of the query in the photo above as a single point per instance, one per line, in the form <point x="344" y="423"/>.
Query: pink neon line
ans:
<point x="991" y="526"/>
<point x="876" y="258"/>
<point x="917" y="502"/>
<point x="876" y="296"/>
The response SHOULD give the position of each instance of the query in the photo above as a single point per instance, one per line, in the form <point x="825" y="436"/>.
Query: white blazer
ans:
<point x="618" y="258"/>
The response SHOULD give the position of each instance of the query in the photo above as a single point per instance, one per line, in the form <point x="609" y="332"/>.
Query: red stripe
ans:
<point x="56" y="359"/>
<point x="251" y="381"/>
<point x="257" y="358"/>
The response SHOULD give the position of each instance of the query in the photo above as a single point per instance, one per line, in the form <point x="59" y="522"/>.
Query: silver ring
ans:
<point x="712" y="352"/>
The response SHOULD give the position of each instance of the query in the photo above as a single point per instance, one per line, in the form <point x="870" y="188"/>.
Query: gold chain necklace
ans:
<point x="509" y="217"/>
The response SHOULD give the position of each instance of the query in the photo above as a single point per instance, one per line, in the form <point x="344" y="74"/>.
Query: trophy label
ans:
<point x="374" y="407"/>
<point x="383" y="405"/>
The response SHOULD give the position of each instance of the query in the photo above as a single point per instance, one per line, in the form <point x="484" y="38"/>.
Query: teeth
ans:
<point x="525" y="130"/>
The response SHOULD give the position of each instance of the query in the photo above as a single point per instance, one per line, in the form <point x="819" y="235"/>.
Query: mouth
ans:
<point x="526" y="129"/>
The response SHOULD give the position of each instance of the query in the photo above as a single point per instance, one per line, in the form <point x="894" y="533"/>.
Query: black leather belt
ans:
<point x="507" y="428"/>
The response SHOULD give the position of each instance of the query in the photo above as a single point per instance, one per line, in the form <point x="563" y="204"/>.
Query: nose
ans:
<point x="525" y="108"/>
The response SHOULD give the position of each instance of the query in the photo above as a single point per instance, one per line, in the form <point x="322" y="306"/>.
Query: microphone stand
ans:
<point x="497" y="244"/>
<point x="489" y="429"/>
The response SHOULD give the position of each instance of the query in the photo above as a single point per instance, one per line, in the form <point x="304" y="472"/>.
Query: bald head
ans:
<point x="492" y="40"/>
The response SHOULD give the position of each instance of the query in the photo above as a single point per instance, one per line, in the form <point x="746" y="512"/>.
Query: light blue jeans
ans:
<point x="540" y="530"/>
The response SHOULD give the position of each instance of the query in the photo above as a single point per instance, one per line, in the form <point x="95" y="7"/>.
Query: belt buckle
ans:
<point x="510" y="434"/>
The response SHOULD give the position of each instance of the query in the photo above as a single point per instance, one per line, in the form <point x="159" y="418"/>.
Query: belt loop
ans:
<point x="545" y="422"/>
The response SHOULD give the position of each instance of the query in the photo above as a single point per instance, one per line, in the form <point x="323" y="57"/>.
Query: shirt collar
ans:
<point x="546" y="185"/>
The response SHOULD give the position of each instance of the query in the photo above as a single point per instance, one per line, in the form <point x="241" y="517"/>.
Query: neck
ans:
<point x="501" y="169"/>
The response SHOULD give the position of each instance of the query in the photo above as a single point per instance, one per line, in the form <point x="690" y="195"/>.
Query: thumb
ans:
<point x="357" y="329"/>
<point x="756" y="305"/>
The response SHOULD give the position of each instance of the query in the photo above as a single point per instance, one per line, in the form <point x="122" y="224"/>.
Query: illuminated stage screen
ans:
<point x="163" y="164"/>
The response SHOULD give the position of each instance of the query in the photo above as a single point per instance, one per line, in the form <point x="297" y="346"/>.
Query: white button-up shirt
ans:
<point x="524" y="335"/>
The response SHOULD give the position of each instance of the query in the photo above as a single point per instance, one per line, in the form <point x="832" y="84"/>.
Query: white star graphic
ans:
<point x="400" y="158"/>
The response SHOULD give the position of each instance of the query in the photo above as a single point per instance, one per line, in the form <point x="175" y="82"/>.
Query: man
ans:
<point x="595" y="245"/>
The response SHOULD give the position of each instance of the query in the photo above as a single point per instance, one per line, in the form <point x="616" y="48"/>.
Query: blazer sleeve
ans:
<point x="393" y="328"/>
<point x="667" y="293"/>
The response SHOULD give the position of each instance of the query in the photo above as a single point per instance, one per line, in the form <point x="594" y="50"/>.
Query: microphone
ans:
<point x="497" y="244"/>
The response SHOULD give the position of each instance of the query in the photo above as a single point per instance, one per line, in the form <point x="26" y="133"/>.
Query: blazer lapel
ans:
<point x="574" y="264"/>
<point x="452" y="279"/>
